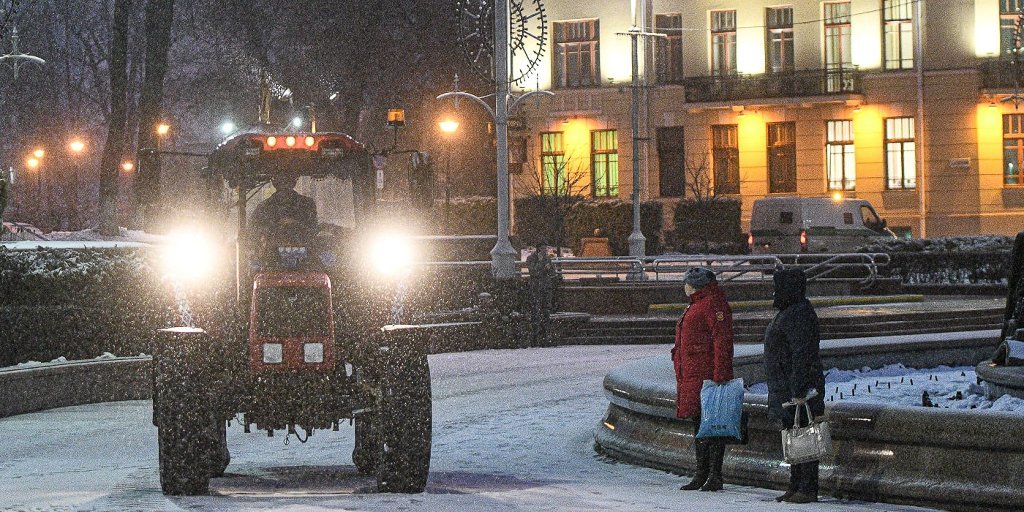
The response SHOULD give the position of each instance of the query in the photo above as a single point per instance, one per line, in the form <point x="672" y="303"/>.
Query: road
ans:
<point x="512" y="431"/>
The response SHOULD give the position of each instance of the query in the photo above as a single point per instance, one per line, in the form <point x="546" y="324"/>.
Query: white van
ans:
<point x="787" y="225"/>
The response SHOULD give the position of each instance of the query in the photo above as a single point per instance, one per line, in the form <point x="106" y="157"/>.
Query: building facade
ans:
<point x="909" y="104"/>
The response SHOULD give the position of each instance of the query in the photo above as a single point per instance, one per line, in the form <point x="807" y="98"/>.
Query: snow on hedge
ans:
<point x="981" y="243"/>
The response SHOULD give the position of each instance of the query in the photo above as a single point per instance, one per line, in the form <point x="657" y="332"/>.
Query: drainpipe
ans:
<point x="922" y="184"/>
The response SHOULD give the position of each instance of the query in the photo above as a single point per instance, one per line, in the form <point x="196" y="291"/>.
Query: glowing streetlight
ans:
<point x="128" y="166"/>
<point x="228" y="127"/>
<point x="448" y="126"/>
<point x="76" y="146"/>
<point x="296" y="122"/>
<point x="39" y="153"/>
<point x="837" y="196"/>
<point x="32" y="163"/>
<point x="162" y="129"/>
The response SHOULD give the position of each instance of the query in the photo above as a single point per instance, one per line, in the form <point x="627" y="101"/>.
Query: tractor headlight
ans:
<point x="392" y="255"/>
<point x="189" y="256"/>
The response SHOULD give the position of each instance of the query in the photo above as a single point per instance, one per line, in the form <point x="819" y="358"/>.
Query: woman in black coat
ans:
<point x="793" y="367"/>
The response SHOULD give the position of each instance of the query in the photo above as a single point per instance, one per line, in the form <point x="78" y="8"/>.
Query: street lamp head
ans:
<point x="228" y="127"/>
<point x="39" y="153"/>
<point x="76" y="146"/>
<point x="32" y="163"/>
<point x="448" y="126"/>
<point x="296" y="122"/>
<point x="334" y="95"/>
<point x="163" y="129"/>
<point x="128" y="166"/>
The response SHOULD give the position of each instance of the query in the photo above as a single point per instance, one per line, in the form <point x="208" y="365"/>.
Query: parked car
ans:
<point x="787" y="225"/>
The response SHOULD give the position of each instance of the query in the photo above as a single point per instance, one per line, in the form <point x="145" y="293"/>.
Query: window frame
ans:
<point x="892" y="143"/>
<point x="1007" y="21"/>
<point x="725" y="181"/>
<point x="1018" y="137"/>
<point x="554" y="157"/>
<point x="902" y="28"/>
<point x="782" y="30"/>
<point x="572" y="45"/>
<point x="724" y="37"/>
<point x="669" y="49"/>
<point x="781" y="136"/>
<point x="846" y="149"/>
<point x="609" y="157"/>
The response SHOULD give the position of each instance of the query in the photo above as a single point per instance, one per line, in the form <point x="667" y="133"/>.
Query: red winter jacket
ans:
<point x="703" y="348"/>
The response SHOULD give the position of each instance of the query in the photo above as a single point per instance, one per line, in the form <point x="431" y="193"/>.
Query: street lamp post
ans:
<point x="503" y="255"/>
<point x="637" y="241"/>
<point x="76" y="147"/>
<point x="448" y="127"/>
<point x="34" y="163"/>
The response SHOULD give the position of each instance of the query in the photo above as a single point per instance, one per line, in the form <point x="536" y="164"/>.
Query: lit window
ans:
<point x="725" y="155"/>
<point x="1013" y="149"/>
<point x="781" y="157"/>
<point x="552" y="163"/>
<point x="723" y="43"/>
<point x="841" y="169"/>
<point x="900" y="156"/>
<point x="838" y="48"/>
<point x="897" y="16"/>
<point x="604" y="160"/>
<point x="779" y="22"/>
<point x="1009" y="13"/>
<point x="670" y="47"/>
<point x="577" y="61"/>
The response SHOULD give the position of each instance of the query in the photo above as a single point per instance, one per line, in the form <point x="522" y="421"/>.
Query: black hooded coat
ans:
<point x="791" y="348"/>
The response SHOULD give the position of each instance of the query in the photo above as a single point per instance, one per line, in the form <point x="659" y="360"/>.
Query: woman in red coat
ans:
<point x="703" y="351"/>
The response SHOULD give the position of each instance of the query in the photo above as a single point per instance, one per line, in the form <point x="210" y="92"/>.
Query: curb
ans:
<point x="859" y="300"/>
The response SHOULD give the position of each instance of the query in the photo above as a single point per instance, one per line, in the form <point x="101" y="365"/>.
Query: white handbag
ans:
<point x="805" y="444"/>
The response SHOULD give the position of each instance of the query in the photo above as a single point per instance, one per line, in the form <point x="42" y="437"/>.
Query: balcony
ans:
<point x="1000" y="74"/>
<point x="797" y="84"/>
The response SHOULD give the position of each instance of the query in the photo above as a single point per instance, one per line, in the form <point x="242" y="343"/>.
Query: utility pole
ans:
<point x="637" y="241"/>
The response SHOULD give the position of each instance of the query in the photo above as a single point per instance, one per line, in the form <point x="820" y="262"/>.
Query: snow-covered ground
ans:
<point x="897" y="385"/>
<point x="512" y="431"/>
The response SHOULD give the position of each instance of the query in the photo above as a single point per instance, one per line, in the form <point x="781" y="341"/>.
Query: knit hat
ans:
<point x="699" y="277"/>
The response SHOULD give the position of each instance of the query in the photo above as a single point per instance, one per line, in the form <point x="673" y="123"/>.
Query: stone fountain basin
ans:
<point x="954" y="459"/>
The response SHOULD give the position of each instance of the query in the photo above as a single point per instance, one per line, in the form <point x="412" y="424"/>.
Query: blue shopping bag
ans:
<point x="721" y="409"/>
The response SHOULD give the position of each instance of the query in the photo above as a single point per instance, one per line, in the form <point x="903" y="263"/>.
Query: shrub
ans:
<point x="711" y="227"/>
<point x="539" y="218"/>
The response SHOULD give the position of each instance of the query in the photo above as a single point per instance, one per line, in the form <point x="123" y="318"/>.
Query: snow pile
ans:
<point x="895" y="384"/>
<point x="106" y="356"/>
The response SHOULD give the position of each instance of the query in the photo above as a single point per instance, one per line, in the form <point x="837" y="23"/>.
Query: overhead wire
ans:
<point x="795" y="23"/>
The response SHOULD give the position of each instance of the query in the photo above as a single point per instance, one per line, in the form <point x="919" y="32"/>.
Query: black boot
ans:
<point x="701" y="476"/>
<point x="716" y="452"/>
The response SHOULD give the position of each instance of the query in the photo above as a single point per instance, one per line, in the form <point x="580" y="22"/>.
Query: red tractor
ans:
<point x="291" y="336"/>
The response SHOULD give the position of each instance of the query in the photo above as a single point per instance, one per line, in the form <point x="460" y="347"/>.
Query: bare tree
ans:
<point x="114" y="149"/>
<point x="553" y="191"/>
<point x="159" y="19"/>
<point x="702" y="216"/>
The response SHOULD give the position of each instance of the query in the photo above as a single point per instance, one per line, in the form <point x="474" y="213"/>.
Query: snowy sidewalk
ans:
<point x="513" y="430"/>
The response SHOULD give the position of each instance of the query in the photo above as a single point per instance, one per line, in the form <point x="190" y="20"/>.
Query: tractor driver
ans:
<point x="286" y="216"/>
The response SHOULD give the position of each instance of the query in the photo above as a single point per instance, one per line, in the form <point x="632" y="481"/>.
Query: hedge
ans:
<point x="538" y="219"/>
<point x="77" y="304"/>
<point x="947" y="260"/>
<point x="709" y="227"/>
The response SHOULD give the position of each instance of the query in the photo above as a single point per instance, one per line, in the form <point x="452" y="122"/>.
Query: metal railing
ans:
<point x="999" y="74"/>
<point x="795" y="84"/>
<point x="728" y="268"/>
<point x="861" y="268"/>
